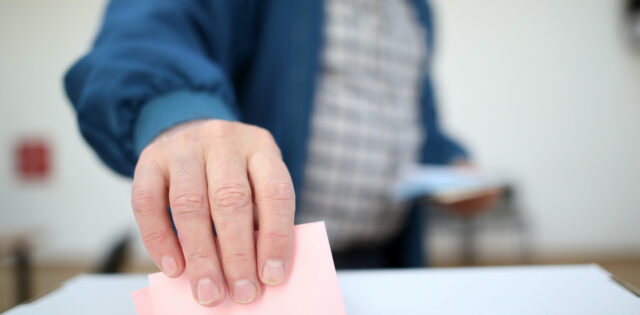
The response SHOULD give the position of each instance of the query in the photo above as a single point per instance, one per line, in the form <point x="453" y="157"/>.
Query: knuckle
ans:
<point x="238" y="257"/>
<point x="263" y="134"/>
<point x="264" y="139"/>
<point x="187" y="203"/>
<point x="220" y="128"/>
<point x="146" y="153"/>
<point x="142" y="200"/>
<point x="199" y="255"/>
<point x="279" y="191"/>
<point x="232" y="196"/>
<point x="153" y="238"/>
<point x="277" y="236"/>
<point x="151" y="152"/>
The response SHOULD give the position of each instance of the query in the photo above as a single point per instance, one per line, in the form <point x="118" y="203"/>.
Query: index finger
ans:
<point x="149" y="202"/>
<point x="275" y="200"/>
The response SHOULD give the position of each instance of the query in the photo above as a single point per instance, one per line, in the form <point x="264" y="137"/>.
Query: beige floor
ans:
<point x="48" y="278"/>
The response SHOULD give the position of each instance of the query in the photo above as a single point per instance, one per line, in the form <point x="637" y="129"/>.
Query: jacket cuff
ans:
<point x="164" y="112"/>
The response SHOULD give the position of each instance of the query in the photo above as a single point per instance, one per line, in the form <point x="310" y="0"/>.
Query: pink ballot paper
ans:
<point x="311" y="287"/>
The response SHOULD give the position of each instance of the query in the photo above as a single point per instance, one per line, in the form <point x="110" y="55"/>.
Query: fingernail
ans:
<point x="273" y="272"/>
<point x="208" y="292"/>
<point x="169" y="266"/>
<point x="244" y="291"/>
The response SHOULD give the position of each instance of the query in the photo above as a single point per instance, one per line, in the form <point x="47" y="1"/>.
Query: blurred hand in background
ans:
<point x="475" y="205"/>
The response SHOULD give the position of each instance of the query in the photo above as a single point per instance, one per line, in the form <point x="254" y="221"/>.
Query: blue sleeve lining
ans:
<point x="164" y="112"/>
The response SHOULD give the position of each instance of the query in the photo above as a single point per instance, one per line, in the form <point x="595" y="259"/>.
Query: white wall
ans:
<point x="550" y="91"/>
<point x="84" y="205"/>
<point x="546" y="90"/>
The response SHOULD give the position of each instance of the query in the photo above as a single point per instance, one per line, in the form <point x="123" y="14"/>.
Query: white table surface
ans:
<point x="575" y="289"/>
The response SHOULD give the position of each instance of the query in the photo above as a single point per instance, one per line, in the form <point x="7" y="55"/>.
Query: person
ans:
<point x="225" y="111"/>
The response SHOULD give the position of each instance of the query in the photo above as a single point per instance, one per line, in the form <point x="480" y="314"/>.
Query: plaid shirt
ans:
<point x="365" y="122"/>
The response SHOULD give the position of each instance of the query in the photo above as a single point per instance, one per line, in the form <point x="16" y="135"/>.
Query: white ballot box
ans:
<point x="571" y="289"/>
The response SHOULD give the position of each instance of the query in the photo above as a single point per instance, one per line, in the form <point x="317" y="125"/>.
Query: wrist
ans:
<point x="162" y="113"/>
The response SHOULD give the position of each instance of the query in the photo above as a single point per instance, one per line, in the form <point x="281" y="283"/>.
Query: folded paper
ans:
<point x="311" y="286"/>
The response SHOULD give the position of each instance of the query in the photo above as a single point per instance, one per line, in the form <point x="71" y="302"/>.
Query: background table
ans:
<point x="575" y="289"/>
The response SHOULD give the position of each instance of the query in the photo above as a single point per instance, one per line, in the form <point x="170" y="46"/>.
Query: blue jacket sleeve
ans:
<point x="154" y="64"/>
<point x="438" y="148"/>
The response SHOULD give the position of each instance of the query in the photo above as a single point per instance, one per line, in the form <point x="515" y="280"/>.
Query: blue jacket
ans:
<point x="157" y="63"/>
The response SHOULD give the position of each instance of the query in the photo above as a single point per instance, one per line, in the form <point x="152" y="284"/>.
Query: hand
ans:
<point x="476" y="204"/>
<point x="216" y="170"/>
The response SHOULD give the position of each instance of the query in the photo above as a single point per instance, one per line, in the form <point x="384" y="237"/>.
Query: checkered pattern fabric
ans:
<point x="365" y="122"/>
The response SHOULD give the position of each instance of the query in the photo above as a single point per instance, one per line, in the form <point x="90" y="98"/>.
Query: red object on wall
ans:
<point x="33" y="159"/>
